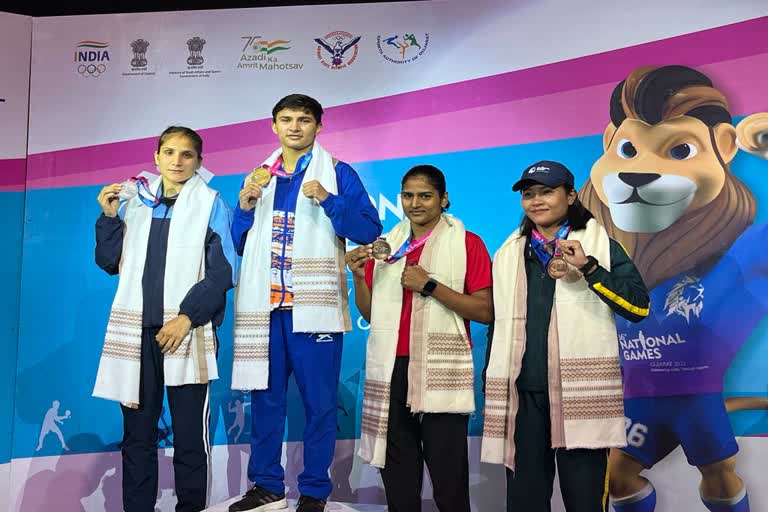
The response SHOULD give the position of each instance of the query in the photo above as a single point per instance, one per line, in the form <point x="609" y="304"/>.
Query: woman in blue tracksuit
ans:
<point x="178" y="157"/>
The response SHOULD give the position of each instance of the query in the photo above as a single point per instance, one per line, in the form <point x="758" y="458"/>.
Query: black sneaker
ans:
<point x="258" y="499"/>
<point x="310" y="504"/>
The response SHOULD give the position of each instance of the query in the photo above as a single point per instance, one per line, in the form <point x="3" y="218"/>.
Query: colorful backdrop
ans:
<point x="479" y="89"/>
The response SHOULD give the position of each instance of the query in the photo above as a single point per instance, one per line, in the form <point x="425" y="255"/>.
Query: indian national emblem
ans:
<point x="139" y="48"/>
<point x="195" y="46"/>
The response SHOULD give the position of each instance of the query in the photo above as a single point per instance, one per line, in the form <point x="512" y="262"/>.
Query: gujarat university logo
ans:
<point x="337" y="50"/>
<point x="139" y="47"/>
<point x="402" y="49"/>
<point x="91" y="58"/>
<point x="195" y="47"/>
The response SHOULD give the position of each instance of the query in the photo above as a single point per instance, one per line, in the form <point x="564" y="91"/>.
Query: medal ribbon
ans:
<point x="539" y="244"/>
<point x="145" y="194"/>
<point x="276" y="169"/>
<point x="408" y="247"/>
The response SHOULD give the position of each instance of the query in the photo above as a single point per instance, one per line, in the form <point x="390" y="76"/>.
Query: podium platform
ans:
<point x="330" y="507"/>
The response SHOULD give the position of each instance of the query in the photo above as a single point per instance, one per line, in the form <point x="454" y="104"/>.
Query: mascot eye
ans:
<point x="683" y="151"/>
<point x="626" y="150"/>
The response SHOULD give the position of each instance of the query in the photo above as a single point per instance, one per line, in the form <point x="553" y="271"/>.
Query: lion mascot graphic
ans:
<point x="664" y="189"/>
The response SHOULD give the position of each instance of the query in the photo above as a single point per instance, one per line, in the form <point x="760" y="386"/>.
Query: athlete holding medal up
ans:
<point x="295" y="212"/>
<point x="419" y="386"/>
<point x="169" y="241"/>
<point x="555" y="341"/>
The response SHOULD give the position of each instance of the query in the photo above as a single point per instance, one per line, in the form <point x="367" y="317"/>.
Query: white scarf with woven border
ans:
<point x="320" y="301"/>
<point x="194" y="362"/>
<point x="440" y="370"/>
<point x="585" y="387"/>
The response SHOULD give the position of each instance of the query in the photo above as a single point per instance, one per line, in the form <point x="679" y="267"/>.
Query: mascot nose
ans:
<point x="638" y="179"/>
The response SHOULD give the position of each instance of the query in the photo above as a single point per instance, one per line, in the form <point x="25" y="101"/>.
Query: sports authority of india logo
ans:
<point x="402" y="49"/>
<point x="337" y="50"/>
<point x="195" y="47"/>
<point x="260" y="53"/>
<point x="91" y="58"/>
<point x="139" y="47"/>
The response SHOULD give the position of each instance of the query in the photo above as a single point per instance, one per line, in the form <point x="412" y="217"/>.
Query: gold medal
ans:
<point x="260" y="176"/>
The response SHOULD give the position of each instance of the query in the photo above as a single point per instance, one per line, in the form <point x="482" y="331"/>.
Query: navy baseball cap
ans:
<point x="546" y="172"/>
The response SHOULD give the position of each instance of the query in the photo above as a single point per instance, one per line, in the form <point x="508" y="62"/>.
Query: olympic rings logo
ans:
<point x="91" y="69"/>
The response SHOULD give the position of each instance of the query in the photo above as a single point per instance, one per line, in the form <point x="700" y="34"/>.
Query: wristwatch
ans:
<point x="591" y="263"/>
<point x="429" y="288"/>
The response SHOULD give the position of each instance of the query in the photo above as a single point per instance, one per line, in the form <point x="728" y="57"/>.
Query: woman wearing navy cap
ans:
<point x="558" y="280"/>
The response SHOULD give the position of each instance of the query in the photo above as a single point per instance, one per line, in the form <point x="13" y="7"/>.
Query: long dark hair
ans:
<point x="434" y="177"/>
<point x="577" y="216"/>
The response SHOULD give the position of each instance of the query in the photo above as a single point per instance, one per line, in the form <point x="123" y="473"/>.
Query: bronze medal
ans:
<point x="381" y="249"/>
<point x="557" y="267"/>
